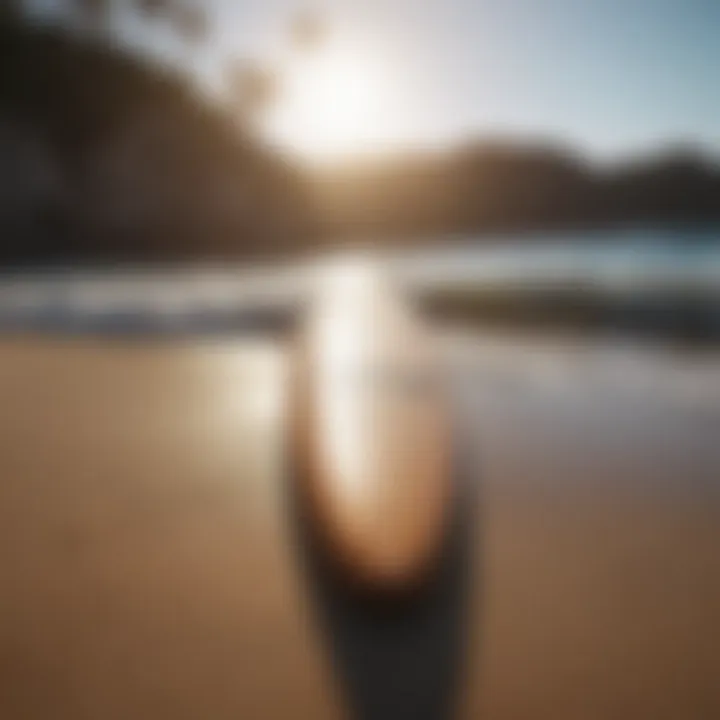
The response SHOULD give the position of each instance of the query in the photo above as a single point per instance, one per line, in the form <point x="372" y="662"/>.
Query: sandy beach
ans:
<point x="147" y="570"/>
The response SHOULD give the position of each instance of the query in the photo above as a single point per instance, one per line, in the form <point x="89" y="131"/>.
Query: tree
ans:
<point x="307" y="30"/>
<point x="252" y="87"/>
<point x="190" y="21"/>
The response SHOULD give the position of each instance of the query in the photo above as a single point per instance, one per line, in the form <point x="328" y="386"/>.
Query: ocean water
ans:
<point x="662" y="269"/>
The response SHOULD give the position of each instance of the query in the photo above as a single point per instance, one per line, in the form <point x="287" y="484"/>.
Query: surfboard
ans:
<point x="370" y="430"/>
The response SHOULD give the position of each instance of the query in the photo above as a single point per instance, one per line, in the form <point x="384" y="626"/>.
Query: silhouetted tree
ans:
<point x="252" y="88"/>
<point x="190" y="21"/>
<point x="307" y="30"/>
<point x="152" y="8"/>
<point x="92" y="15"/>
<point x="105" y="157"/>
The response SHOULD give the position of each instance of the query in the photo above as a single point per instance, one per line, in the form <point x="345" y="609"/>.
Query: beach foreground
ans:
<point x="147" y="568"/>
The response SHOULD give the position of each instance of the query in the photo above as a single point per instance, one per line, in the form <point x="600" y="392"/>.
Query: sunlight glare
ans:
<point x="334" y="102"/>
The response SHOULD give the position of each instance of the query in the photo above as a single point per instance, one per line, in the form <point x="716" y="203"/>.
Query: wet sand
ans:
<point x="600" y="499"/>
<point x="147" y="569"/>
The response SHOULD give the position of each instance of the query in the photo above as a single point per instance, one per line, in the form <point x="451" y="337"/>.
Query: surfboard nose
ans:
<point x="370" y="430"/>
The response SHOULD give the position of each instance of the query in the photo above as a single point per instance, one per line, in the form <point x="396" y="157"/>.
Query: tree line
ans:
<point x="104" y="158"/>
<point x="505" y="187"/>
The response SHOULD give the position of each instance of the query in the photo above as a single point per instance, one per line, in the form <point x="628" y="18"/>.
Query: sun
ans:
<point x="334" y="102"/>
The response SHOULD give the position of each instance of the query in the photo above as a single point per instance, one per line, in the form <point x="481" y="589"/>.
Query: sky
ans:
<point x="610" y="77"/>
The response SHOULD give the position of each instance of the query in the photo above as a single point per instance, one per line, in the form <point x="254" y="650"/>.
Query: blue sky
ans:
<point x="608" y="76"/>
<point x="612" y="76"/>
